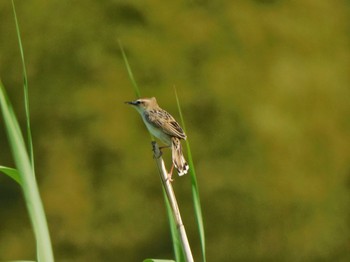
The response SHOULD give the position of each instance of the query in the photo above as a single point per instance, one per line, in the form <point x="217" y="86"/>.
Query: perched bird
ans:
<point x="163" y="126"/>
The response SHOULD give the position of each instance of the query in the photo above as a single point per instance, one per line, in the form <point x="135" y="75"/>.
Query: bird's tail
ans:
<point x="178" y="158"/>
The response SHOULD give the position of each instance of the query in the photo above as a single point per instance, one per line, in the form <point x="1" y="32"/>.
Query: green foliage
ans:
<point x="25" y="174"/>
<point x="178" y="252"/>
<point x="11" y="172"/>
<point x="265" y="88"/>
<point x="175" y="238"/>
<point x="27" y="178"/>
<point x="25" y="89"/>
<point x="195" y="190"/>
<point x="128" y="68"/>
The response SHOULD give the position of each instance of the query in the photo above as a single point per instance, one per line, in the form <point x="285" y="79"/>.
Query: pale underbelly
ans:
<point x="158" y="133"/>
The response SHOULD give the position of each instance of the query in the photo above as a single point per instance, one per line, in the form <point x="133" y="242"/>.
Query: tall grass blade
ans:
<point x="128" y="68"/>
<point x="25" y="90"/>
<point x="29" y="186"/>
<point x="195" y="190"/>
<point x="179" y="256"/>
<point x="11" y="172"/>
<point x="178" y="251"/>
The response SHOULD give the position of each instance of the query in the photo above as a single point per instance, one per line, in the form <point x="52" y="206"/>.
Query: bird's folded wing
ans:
<point x="162" y="119"/>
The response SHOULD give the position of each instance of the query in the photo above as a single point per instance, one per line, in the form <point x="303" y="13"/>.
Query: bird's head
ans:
<point x="144" y="104"/>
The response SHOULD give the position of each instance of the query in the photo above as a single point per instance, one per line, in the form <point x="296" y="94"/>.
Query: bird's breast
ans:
<point x="158" y="133"/>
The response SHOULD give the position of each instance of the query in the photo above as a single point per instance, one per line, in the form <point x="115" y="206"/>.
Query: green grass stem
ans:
<point x="25" y="172"/>
<point x="25" y="90"/>
<point x="178" y="252"/>
<point x="27" y="177"/>
<point x="194" y="185"/>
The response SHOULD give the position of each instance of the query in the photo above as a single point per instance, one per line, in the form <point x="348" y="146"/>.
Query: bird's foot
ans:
<point x="170" y="174"/>
<point x="156" y="150"/>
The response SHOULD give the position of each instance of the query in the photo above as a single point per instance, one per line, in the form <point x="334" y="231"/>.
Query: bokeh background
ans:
<point x="264" y="89"/>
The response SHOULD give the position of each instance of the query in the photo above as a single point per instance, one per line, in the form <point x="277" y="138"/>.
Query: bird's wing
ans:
<point x="162" y="119"/>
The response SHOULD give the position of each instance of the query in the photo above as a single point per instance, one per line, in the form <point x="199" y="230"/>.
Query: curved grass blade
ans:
<point x="25" y="90"/>
<point x="195" y="190"/>
<point x="173" y="230"/>
<point x="128" y="68"/>
<point x="11" y="172"/>
<point x="29" y="186"/>
<point x="131" y="76"/>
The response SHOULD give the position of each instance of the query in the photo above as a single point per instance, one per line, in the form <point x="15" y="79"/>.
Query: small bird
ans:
<point x="163" y="126"/>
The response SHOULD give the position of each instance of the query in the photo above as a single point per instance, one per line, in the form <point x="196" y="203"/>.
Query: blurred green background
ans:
<point x="264" y="88"/>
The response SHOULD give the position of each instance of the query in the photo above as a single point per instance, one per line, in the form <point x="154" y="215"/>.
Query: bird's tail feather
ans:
<point x="178" y="158"/>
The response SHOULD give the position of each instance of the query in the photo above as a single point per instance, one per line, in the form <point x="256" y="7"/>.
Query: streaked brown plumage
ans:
<point x="163" y="126"/>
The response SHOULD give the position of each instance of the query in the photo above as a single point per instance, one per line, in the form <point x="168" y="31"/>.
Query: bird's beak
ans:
<point x="133" y="103"/>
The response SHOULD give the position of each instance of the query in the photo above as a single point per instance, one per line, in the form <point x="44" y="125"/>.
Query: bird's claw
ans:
<point x="169" y="178"/>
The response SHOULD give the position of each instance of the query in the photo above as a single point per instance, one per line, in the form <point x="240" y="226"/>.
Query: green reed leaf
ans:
<point x="128" y="68"/>
<point x="25" y="90"/>
<point x="11" y="172"/>
<point x="194" y="185"/>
